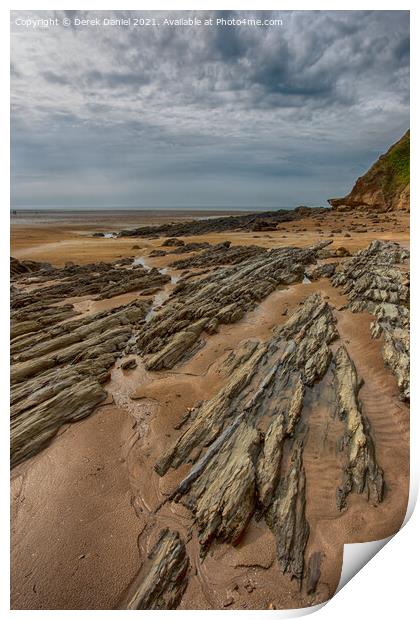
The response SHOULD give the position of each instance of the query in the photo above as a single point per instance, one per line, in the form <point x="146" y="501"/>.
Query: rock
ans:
<point x="385" y="186"/>
<point x="166" y="575"/>
<point x="172" y="242"/>
<point x="287" y="519"/>
<point x="269" y="461"/>
<point x="220" y="254"/>
<point x="129" y="364"/>
<point x="176" y="347"/>
<point x="320" y="271"/>
<point x="334" y="253"/>
<point x="374" y="283"/>
<point x="155" y="253"/>
<point x="59" y="361"/>
<point x="251" y="221"/>
<point x="246" y="443"/>
<point x="191" y="247"/>
<point x="313" y="573"/>
<point x="361" y="472"/>
<point x="262" y="225"/>
<point x="18" y="267"/>
<point x="219" y="298"/>
<point x="237" y="466"/>
<point x="98" y="280"/>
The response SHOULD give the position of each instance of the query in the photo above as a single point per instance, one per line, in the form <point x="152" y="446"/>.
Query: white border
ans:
<point x="386" y="586"/>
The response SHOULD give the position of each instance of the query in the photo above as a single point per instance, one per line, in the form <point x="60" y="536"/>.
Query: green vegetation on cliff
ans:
<point x="386" y="185"/>
<point x="395" y="166"/>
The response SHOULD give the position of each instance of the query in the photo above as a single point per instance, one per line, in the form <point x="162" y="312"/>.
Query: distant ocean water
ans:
<point x="87" y="209"/>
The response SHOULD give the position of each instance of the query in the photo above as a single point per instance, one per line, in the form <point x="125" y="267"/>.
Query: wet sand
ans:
<point x="58" y="242"/>
<point x="87" y="509"/>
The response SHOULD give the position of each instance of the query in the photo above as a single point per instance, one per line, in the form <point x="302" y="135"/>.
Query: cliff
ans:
<point x="386" y="185"/>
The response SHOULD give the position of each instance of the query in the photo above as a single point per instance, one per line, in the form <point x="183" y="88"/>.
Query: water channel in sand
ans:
<point x="162" y="295"/>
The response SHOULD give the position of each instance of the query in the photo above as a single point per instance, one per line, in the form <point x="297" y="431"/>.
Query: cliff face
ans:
<point x="386" y="185"/>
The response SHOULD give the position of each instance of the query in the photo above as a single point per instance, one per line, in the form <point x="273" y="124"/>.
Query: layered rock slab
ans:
<point x="57" y="373"/>
<point x="375" y="280"/>
<point x="97" y="280"/>
<point x="219" y="298"/>
<point x="165" y="578"/>
<point x="361" y="471"/>
<point x="246" y="444"/>
<point x="221" y="254"/>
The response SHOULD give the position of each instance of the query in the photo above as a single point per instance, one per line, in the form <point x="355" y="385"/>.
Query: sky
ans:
<point x="203" y="116"/>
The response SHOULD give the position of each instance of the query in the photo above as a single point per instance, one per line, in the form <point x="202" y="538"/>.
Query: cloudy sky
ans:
<point x="204" y="116"/>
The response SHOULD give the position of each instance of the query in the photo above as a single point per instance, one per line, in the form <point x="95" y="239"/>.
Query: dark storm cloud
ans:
<point x="113" y="79"/>
<point x="54" y="78"/>
<point x="212" y="116"/>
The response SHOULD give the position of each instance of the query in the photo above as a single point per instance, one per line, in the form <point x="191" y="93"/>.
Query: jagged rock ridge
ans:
<point x="246" y="444"/>
<point x="60" y="361"/>
<point x="222" y="297"/>
<point x="166" y="579"/>
<point x="374" y="281"/>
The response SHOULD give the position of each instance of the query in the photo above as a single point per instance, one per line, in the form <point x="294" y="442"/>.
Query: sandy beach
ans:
<point x="63" y="237"/>
<point x="87" y="508"/>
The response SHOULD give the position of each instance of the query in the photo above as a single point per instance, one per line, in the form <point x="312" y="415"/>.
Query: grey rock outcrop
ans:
<point x="221" y="298"/>
<point x="375" y="281"/>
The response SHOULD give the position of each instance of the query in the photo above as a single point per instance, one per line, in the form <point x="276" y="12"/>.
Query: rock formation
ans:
<point x="57" y="373"/>
<point x="375" y="280"/>
<point x="242" y="454"/>
<point x="246" y="444"/>
<point x="221" y="254"/>
<point x="386" y="185"/>
<point x="361" y="471"/>
<point x="220" y="298"/>
<point x="251" y="221"/>
<point x="98" y="280"/>
<point x="60" y="360"/>
<point x="165" y="580"/>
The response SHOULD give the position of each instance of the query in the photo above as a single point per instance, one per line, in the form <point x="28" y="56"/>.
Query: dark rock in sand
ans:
<point x="155" y="253"/>
<point x="191" y="247"/>
<point x="165" y="575"/>
<point x="314" y="572"/>
<point x="129" y="364"/>
<point x="252" y="221"/>
<point x="172" y="242"/>
<point x="19" y="267"/>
